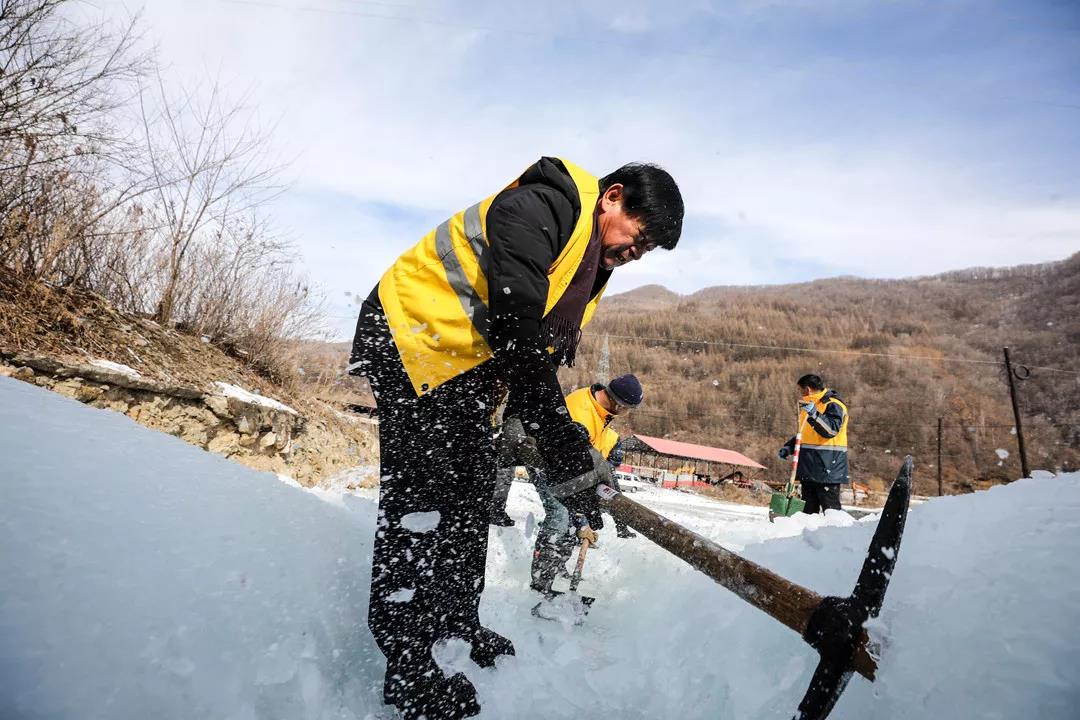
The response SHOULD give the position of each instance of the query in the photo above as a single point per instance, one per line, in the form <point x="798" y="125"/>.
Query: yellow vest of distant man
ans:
<point x="811" y="438"/>
<point x="586" y="410"/>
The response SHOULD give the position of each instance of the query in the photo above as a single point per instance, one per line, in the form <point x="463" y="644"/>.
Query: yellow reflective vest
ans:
<point x="586" y="410"/>
<point x="435" y="296"/>
<point x="816" y="433"/>
<point x="824" y="454"/>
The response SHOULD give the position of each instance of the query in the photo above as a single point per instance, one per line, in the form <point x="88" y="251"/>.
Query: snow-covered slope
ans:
<point x="142" y="577"/>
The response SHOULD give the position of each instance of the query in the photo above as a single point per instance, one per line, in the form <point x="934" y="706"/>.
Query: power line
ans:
<point x="855" y="426"/>
<point x="786" y="348"/>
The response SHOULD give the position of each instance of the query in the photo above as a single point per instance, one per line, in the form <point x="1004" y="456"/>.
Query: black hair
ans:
<point x="810" y="381"/>
<point x="651" y="196"/>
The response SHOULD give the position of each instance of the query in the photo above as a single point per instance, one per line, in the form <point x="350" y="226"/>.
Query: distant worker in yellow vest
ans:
<point x="490" y="302"/>
<point x="823" y="456"/>
<point x="594" y="408"/>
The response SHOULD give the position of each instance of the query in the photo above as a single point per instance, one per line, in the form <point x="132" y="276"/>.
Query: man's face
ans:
<point x="609" y="404"/>
<point x="803" y="391"/>
<point x="621" y="237"/>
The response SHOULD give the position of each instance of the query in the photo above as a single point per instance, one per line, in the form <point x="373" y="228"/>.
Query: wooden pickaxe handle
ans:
<point x="783" y="600"/>
<point x="780" y="598"/>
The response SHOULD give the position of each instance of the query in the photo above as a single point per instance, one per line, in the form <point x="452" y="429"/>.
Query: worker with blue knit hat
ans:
<point x="593" y="408"/>
<point x="625" y="390"/>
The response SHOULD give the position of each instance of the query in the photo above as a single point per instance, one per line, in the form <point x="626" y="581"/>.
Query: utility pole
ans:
<point x="940" y="469"/>
<point x="1016" y="411"/>
<point x="603" y="369"/>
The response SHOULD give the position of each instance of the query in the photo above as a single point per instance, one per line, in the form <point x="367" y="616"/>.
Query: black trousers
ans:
<point x="437" y="455"/>
<point x="504" y="480"/>
<point x="820" y="497"/>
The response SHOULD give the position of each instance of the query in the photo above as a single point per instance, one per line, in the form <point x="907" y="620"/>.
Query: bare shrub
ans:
<point x="169" y="220"/>
<point x="63" y="160"/>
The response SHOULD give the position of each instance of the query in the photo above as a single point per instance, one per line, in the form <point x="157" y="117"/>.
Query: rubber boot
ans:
<point x="428" y="693"/>
<point x="487" y="645"/>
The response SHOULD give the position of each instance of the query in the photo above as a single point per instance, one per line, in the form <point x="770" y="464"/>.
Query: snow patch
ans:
<point x="246" y="396"/>
<point x="403" y="595"/>
<point x="116" y="367"/>
<point x="421" y="522"/>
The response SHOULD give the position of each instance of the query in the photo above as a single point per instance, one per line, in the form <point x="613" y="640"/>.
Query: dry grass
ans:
<point x="734" y="494"/>
<point x="78" y="325"/>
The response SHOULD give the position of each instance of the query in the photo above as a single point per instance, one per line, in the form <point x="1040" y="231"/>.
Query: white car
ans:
<point x="629" y="482"/>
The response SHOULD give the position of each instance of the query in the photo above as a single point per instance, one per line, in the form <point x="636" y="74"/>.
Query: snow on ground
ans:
<point x="143" y="577"/>
<point x="247" y="396"/>
<point x="116" y="367"/>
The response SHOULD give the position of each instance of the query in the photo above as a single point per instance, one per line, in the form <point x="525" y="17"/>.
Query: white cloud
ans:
<point x="432" y="113"/>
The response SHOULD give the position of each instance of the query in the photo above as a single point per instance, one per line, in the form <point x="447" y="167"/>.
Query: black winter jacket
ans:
<point x="527" y="228"/>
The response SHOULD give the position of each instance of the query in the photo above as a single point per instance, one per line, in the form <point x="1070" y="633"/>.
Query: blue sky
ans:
<point x="811" y="139"/>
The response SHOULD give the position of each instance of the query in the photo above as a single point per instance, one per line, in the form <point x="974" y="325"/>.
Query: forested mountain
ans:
<point x="719" y="366"/>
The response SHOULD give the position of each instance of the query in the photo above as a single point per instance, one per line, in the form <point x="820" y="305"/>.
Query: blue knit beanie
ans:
<point x="626" y="390"/>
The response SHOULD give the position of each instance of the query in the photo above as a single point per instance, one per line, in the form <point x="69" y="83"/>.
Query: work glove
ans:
<point x="579" y="494"/>
<point x="809" y="408"/>
<point x="567" y="454"/>
<point x="783" y="453"/>
<point x="514" y="446"/>
<point x="585" y="532"/>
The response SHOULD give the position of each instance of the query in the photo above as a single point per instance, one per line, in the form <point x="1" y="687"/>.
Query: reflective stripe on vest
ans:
<point x="435" y="296"/>
<point x="830" y="448"/>
<point x="474" y="306"/>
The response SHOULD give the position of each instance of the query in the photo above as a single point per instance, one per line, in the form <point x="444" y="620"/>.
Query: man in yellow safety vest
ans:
<point x="490" y="302"/>
<point x="823" y="455"/>
<point x="594" y="408"/>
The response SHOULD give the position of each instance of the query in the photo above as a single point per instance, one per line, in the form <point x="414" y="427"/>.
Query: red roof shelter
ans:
<point x="676" y="463"/>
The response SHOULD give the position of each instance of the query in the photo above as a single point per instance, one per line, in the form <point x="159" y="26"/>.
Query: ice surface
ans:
<point x="143" y="577"/>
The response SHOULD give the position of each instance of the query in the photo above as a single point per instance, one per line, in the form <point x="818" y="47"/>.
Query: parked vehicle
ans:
<point x="629" y="482"/>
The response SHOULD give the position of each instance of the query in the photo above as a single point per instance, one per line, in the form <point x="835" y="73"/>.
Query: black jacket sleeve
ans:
<point x="527" y="228"/>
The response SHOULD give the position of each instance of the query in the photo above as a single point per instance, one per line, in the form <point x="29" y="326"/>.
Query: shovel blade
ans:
<point x="783" y="505"/>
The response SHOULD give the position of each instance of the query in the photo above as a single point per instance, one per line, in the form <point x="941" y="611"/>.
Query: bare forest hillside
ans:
<point x="719" y="367"/>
